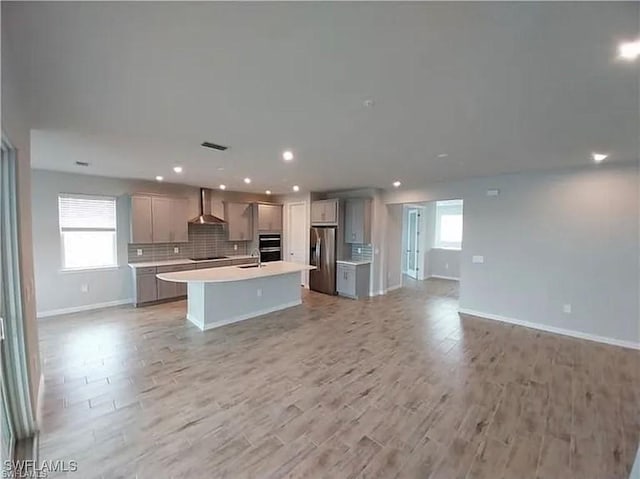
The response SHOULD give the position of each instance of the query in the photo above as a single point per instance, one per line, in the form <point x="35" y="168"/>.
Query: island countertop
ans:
<point x="228" y="274"/>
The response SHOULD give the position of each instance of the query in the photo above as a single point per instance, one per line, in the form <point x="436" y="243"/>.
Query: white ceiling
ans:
<point x="134" y="88"/>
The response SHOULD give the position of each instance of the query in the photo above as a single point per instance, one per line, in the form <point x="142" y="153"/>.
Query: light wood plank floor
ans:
<point x="394" y="386"/>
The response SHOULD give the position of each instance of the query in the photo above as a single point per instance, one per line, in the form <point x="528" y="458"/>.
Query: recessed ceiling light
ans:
<point x="220" y="168"/>
<point x="223" y="187"/>
<point x="287" y="155"/>
<point x="369" y="103"/>
<point x="443" y="155"/>
<point x="396" y="184"/>
<point x="177" y="169"/>
<point x="629" y="51"/>
<point x="598" y="157"/>
<point x="159" y="178"/>
<point x="247" y="180"/>
<point x="268" y="192"/>
<point x="296" y="188"/>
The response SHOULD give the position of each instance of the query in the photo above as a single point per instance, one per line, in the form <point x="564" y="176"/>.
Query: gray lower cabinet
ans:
<point x="169" y="289"/>
<point x="146" y="288"/>
<point x="149" y="289"/>
<point x="352" y="280"/>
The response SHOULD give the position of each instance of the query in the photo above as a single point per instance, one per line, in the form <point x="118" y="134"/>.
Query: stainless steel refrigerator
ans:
<point x="323" y="257"/>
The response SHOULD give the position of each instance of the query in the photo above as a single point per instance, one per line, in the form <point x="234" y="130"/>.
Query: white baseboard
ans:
<point x="242" y="317"/>
<point x="451" y="278"/>
<point x="393" y="288"/>
<point x="553" y="329"/>
<point x="86" y="307"/>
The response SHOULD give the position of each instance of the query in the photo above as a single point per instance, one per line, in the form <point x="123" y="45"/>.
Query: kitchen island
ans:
<point x="219" y="296"/>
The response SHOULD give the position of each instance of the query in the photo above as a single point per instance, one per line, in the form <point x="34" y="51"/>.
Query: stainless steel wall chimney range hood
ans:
<point x="205" y="217"/>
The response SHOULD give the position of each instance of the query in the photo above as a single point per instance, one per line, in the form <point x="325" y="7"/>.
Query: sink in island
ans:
<point x="219" y="296"/>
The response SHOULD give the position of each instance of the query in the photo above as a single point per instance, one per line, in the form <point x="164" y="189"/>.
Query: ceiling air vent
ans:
<point x="82" y="163"/>
<point x="208" y="144"/>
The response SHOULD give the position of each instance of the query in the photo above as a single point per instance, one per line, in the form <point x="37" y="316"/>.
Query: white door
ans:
<point x="297" y="230"/>
<point x="413" y="242"/>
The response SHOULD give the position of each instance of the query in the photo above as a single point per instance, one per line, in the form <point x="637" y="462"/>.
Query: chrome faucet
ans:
<point x="256" y="250"/>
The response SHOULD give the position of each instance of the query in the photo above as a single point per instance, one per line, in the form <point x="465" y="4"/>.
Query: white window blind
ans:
<point x="449" y="224"/>
<point x="87" y="231"/>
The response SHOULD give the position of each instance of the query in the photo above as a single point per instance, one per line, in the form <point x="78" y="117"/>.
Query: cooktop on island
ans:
<point x="208" y="258"/>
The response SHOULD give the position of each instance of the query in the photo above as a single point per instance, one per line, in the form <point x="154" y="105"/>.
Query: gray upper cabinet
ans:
<point x="162" y="214"/>
<point x="239" y="217"/>
<point x="324" y="212"/>
<point x="141" y="222"/>
<point x="159" y="219"/>
<point x="269" y="217"/>
<point x="180" y="230"/>
<point x="357" y="221"/>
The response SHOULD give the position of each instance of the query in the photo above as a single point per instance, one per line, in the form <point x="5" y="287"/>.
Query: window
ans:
<point x="449" y="224"/>
<point x="87" y="231"/>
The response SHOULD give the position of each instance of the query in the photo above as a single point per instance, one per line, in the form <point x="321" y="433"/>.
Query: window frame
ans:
<point x="457" y="208"/>
<point x="61" y="231"/>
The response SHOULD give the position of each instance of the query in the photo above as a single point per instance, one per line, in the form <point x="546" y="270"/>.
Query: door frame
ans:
<point x="287" y="235"/>
<point x="422" y="241"/>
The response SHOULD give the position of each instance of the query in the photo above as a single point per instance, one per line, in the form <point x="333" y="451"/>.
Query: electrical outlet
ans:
<point x="84" y="288"/>
<point x="259" y="292"/>
<point x="446" y="266"/>
<point x="477" y="259"/>
<point x="176" y="250"/>
<point x="139" y="252"/>
<point x="235" y="247"/>
<point x="566" y="308"/>
<point x="359" y="250"/>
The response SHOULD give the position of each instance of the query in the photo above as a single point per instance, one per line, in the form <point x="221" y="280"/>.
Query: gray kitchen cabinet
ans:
<point x="149" y="288"/>
<point x="352" y="280"/>
<point x="146" y="287"/>
<point x="269" y="217"/>
<point x="357" y="221"/>
<point x="213" y="264"/>
<point x="325" y="212"/>
<point x="141" y="220"/>
<point x="239" y="217"/>
<point x="169" y="289"/>
<point x="180" y="229"/>
<point x="159" y="219"/>
<point x="162" y="214"/>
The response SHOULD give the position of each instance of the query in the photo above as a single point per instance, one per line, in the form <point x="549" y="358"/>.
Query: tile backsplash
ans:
<point x="365" y="253"/>
<point x="204" y="240"/>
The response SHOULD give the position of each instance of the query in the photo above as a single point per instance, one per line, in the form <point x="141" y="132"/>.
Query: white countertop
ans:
<point x="353" y="263"/>
<point x="234" y="273"/>
<point x="175" y="262"/>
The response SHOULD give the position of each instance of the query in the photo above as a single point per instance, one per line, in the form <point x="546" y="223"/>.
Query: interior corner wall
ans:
<point x="394" y="244"/>
<point x="549" y="239"/>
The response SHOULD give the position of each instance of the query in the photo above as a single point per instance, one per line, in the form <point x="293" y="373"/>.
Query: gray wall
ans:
<point x="104" y="286"/>
<point x="548" y="239"/>
<point x="444" y="263"/>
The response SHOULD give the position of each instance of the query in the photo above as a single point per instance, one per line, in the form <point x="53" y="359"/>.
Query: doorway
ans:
<point x="413" y="243"/>
<point x="296" y="238"/>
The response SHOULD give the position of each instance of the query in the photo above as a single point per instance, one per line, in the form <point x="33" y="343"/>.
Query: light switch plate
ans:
<point x="176" y="250"/>
<point x="359" y="250"/>
<point x="493" y="192"/>
<point x="566" y="308"/>
<point x="477" y="259"/>
<point x="235" y="247"/>
<point x="84" y="288"/>
<point x="139" y="252"/>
